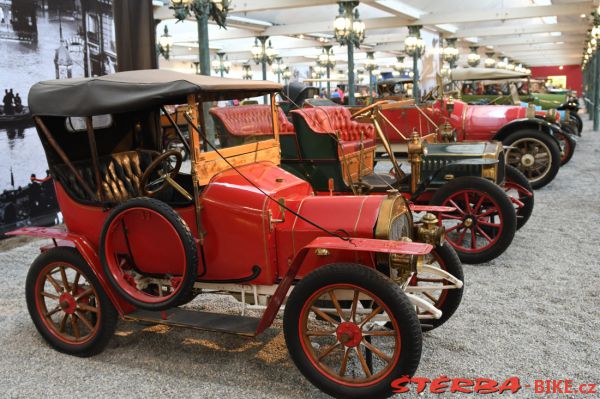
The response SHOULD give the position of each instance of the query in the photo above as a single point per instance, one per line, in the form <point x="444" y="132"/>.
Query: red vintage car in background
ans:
<point x="533" y="144"/>
<point x="143" y="237"/>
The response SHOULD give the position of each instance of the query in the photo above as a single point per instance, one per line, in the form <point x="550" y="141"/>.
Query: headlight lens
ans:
<point x="400" y="227"/>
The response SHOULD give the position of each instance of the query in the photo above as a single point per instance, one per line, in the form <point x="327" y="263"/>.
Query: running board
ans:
<point x="206" y="321"/>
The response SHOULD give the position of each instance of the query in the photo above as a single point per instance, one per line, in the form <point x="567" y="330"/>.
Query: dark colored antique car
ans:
<point x="336" y="155"/>
<point x="143" y="238"/>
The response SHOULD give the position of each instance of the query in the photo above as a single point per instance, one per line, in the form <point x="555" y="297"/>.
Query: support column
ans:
<point x="351" y="99"/>
<point x="596" y="83"/>
<point x="204" y="58"/>
<point x="328" y="82"/>
<point x="416" y="91"/>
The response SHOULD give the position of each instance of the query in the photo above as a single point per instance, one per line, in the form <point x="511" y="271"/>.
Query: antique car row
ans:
<point x="348" y="223"/>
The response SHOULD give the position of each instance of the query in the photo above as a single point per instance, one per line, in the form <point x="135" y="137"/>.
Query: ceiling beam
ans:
<point x="504" y="14"/>
<point x="327" y="26"/>
<point x="243" y="6"/>
<point x="522" y="29"/>
<point x="522" y="40"/>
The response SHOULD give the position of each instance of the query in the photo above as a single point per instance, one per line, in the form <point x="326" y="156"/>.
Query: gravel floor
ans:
<point x="533" y="313"/>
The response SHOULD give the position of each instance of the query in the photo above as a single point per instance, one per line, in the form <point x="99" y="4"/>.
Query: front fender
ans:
<point x="62" y="238"/>
<point x="527" y="123"/>
<point x="335" y="243"/>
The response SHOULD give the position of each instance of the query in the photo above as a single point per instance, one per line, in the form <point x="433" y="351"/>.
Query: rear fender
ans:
<point x="337" y="244"/>
<point x="526" y="123"/>
<point x="62" y="238"/>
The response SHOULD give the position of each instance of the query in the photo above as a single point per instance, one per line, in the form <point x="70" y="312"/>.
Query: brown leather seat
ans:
<point x="247" y="124"/>
<point x="120" y="176"/>
<point x="337" y="121"/>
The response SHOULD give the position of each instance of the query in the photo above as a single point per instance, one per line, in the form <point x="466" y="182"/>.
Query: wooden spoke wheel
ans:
<point x="518" y="188"/>
<point x="484" y="221"/>
<point x="535" y="154"/>
<point x="567" y="148"/>
<point x="67" y="303"/>
<point x="447" y="300"/>
<point x="346" y="349"/>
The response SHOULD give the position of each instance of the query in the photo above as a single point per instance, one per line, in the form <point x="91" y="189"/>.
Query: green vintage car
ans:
<point x="504" y="87"/>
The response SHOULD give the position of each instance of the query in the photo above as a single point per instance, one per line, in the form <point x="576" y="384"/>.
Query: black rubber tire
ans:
<point x="452" y="265"/>
<point x="506" y="208"/>
<point x="389" y="292"/>
<point x="578" y="121"/>
<point x="515" y="175"/>
<point x="189" y="244"/>
<point x="569" y="148"/>
<point x="108" y="313"/>
<point x="549" y="142"/>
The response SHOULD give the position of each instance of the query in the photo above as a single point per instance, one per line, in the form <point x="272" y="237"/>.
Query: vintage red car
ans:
<point x="533" y="146"/>
<point x="142" y="237"/>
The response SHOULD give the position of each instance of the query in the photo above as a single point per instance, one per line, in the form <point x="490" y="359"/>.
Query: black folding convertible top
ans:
<point x="136" y="90"/>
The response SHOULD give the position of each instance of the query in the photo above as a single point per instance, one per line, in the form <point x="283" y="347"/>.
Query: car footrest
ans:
<point x="217" y="322"/>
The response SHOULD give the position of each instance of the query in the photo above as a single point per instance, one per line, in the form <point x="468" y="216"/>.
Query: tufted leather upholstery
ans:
<point x="250" y="120"/>
<point x="337" y="120"/>
<point x="120" y="176"/>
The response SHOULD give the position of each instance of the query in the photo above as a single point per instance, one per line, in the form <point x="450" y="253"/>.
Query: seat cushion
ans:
<point x="120" y="176"/>
<point x="250" y="120"/>
<point x="336" y="120"/>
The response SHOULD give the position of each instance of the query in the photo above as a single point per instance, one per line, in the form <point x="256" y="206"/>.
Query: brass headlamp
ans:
<point x="429" y="231"/>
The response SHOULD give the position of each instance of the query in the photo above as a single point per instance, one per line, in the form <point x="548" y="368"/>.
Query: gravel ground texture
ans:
<point x="532" y="313"/>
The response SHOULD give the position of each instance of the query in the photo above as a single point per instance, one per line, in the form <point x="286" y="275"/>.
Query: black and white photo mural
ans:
<point x="42" y="40"/>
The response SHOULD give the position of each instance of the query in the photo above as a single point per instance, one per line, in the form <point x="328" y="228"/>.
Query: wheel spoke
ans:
<point x="380" y="333"/>
<point x="376" y="351"/>
<point x="363" y="362"/>
<point x="456" y="226"/>
<point x="480" y="230"/>
<point x="489" y="224"/>
<point x="63" y="275"/>
<point x="354" y="305"/>
<point x="344" y="362"/>
<point x="76" y="283"/>
<point x="85" y="321"/>
<point x="53" y="311"/>
<point x="320" y="333"/>
<point x="468" y="203"/>
<point x="371" y="315"/>
<point x="87" y="308"/>
<point x="430" y="297"/>
<point x="490" y="212"/>
<point x="328" y="351"/>
<point x="458" y="208"/>
<point x="54" y="283"/>
<point x="49" y="295"/>
<point x="449" y="216"/>
<point x="478" y="205"/>
<point x="336" y="304"/>
<point x="63" y="323"/>
<point x="84" y="294"/>
<point x="324" y="315"/>
<point x="75" y="327"/>
<point x="461" y="238"/>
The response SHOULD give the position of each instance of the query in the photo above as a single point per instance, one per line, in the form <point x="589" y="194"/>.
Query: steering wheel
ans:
<point x="166" y="176"/>
<point x="369" y="108"/>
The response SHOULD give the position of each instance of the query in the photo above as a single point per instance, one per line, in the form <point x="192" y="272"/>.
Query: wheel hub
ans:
<point x="527" y="160"/>
<point x="349" y="334"/>
<point x="68" y="303"/>
<point x="469" y="221"/>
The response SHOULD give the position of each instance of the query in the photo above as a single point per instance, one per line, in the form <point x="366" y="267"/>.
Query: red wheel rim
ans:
<point x="125" y="254"/>
<point x="330" y="341"/>
<point x="466" y="226"/>
<point x="439" y="299"/>
<point x="67" y="303"/>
